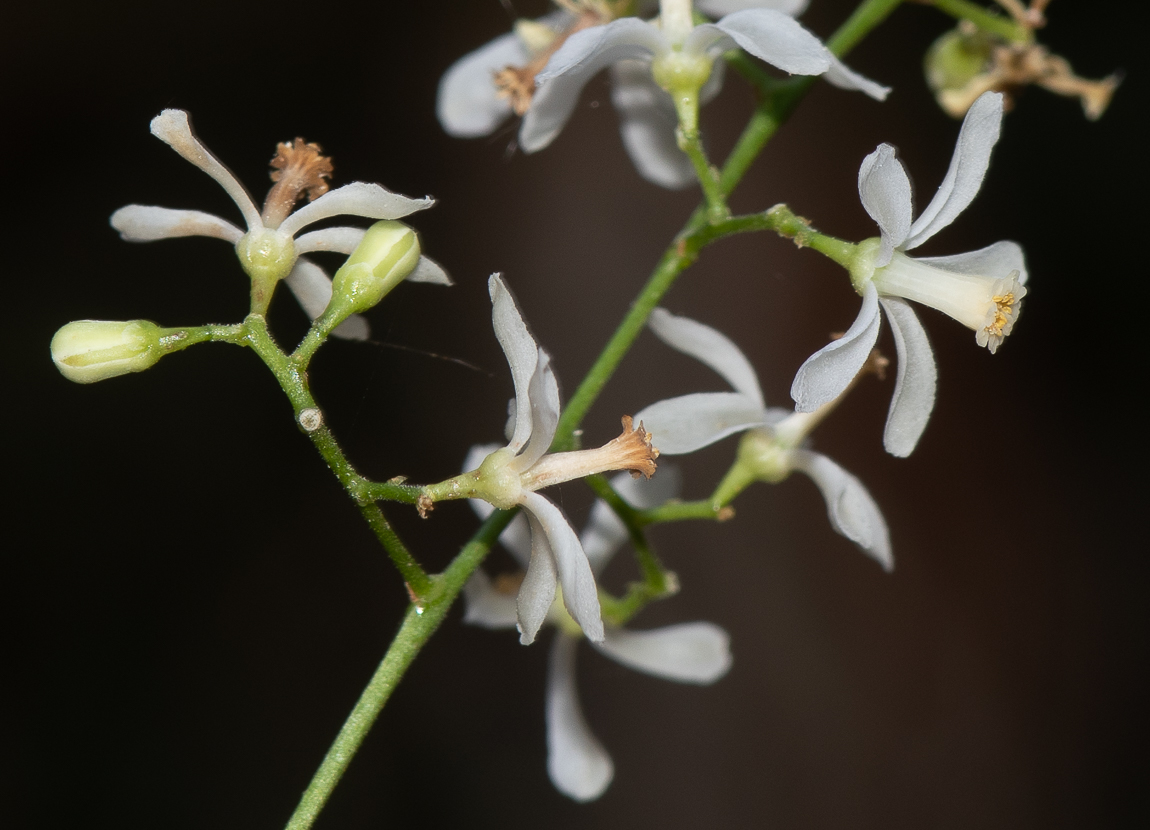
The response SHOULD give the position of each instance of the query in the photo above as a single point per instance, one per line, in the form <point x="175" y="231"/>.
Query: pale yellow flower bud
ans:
<point x="90" y="350"/>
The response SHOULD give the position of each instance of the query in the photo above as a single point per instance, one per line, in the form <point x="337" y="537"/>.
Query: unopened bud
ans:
<point x="956" y="59"/>
<point x="388" y="253"/>
<point x="90" y="350"/>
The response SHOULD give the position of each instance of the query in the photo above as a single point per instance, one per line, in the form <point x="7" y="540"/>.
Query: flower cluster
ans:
<point x="556" y="56"/>
<point x="271" y="248"/>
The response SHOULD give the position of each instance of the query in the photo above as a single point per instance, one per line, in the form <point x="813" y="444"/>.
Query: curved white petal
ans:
<point x="647" y="124"/>
<point x="577" y="60"/>
<point x="312" y="289"/>
<point x="698" y="652"/>
<point x="580" y="596"/>
<point x="521" y="351"/>
<point x="827" y="373"/>
<point x="852" y="511"/>
<point x="719" y="8"/>
<point x="578" y="764"/>
<point x="996" y="260"/>
<point x="979" y="134"/>
<point x="175" y="129"/>
<point x="372" y="201"/>
<point x="341" y="240"/>
<point x="915" y="383"/>
<point x="485" y="606"/>
<point x="468" y="104"/>
<point x="543" y="394"/>
<point x="538" y="589"/>
<point x="429" y="271"/>
<point x="146" y="223"/>
<point x="768" y="35"/>
<point x="710" y="347"/>
<point x="691" y="422"/>
<point x="842" y="76"/>
<point x="886" y="195"/>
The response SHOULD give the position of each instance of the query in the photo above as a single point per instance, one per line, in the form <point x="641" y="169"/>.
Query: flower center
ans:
<point x="517" y="83"/>
<point x="298" y="170"/>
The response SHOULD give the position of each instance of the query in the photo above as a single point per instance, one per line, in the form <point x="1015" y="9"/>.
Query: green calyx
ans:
<point x="957" y="58"/>
<point x="861" y="266"/>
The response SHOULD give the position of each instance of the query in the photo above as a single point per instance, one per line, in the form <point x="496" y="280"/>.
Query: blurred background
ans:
<point x="193" y="605"/>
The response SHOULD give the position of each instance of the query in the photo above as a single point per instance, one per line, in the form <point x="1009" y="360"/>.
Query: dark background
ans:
<point x="193" y="605"/>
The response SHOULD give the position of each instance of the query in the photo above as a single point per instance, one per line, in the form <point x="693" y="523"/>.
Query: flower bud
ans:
<point x="388" y="253"/>
<point x="90" y="350"/>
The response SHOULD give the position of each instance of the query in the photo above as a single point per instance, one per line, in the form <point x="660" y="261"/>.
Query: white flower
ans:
<point x="270" y="247"/>
<point x="773" y="446"/>
<point x="471" y="105"/>
<point x="697" y="652"/>
<point x="509" y="477"/>
<point x="981" y="289"/>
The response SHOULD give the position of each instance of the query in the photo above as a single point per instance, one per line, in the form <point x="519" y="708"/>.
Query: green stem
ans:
<point x="417" y="628"/>
<point x="293" y="380"/>
<point x="985" y="19"/>
<point x="677" y="511"/>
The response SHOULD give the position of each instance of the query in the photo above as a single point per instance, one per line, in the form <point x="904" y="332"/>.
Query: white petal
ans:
<point x="827" y="373"/>
<point x="144" y="223"/>
<point x="468" y="104"/>
<point x="852" y="511"/>
<point x="647" y="124"/>
<point x="886" y="195"/>
<point x="485" y="606"/>
<point x="521" y="351"/>
<point x="996" y="260"/>
<point x="580" y="596"/>
<point x="356" y="199"/>
<point x="312" y="289"/>
<point x="768" y="35"/>
<point x="709" y="346"/>
<point x="718" y="8"/>
<point x="544" y="396"/>
<point x="605" y="532"/>
<point x="691" y="422"/>
<point x="174" y="129"/>
<point x="844" y="77"/>
<point x="979" y="134"/>
<point x="341" y="240"/>
<point x="578" y="764"/>
<point x="698" y="652"/>
<point x="430" y="271"/>
<point x="573" y="65"/>
<point x="538" y="589"/>
<point x="914" y="386"/>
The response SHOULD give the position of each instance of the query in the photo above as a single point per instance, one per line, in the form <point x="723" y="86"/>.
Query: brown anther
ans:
<point x="635" y="447"/>
<point x="517" y="83"/>
<point x="424" y="505"/>
<point x="298" y="170"/>
<point x="876" y="364"/>
<point x="508" y="584"/>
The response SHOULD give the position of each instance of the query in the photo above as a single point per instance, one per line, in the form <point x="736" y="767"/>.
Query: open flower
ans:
<point x="773" y="446"/>
<point x="509" y="477"/>
<point x="696" y="652"/>
<point x="553" y="59"/>
<point x="269" y="250"/>
<point x="982" y="289"/>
